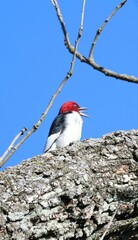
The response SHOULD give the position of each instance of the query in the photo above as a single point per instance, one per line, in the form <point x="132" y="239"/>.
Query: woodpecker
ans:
<point x="66" y="127"/>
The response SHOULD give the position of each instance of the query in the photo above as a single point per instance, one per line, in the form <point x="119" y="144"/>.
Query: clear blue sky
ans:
<point x="34" y="60"/>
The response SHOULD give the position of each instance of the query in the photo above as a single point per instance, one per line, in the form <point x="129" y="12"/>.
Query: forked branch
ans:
<point x="90" y="60"/>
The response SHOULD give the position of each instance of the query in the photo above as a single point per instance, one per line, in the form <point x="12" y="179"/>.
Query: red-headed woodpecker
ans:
<point x="66" y="127"/>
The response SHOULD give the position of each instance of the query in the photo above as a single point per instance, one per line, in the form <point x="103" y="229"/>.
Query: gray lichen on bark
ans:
<point x="72" y="193"/>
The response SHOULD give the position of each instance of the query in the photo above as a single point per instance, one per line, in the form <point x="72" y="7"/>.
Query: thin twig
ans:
<point x="109" y="224"/>
<point x="68" y="75"/>
<point x="103" y="25"/>
<point x="60" y="18"/>
<point x="80" y="32"/>
<point x="82" y="18"/>
<point x="11" y="147"/>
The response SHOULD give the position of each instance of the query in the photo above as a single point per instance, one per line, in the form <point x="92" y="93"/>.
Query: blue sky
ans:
<point x="34" y="61"/>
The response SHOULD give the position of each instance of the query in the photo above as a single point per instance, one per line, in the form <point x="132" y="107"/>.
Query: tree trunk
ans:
<point x="74" y="192"/>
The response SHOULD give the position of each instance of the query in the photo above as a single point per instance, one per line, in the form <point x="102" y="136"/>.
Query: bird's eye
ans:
<point x="75" y="105"/>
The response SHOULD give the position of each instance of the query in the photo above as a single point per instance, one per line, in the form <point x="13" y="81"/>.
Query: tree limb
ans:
<point x="74" y="193"/>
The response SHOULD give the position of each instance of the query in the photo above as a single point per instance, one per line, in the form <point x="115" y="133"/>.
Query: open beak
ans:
<point x="81" y="113"/>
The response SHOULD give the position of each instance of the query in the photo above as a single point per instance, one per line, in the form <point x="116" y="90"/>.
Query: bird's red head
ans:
<point x="72" y="106"/>
<point x="69" y="106"/>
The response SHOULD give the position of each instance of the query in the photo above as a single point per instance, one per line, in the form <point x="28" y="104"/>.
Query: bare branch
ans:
<point x="109" y="73"/>
<point x="90" y="60"/>
<point x="10" y="149"/>
<point x="103" y="25"/>
<point x="105" y="71"/>
<point x="82" y="18"/>
<point x="68" y="75"/>
<point x="60" y="18"/>
<point x="109" y="224"/>
<point x="79" y="33"/>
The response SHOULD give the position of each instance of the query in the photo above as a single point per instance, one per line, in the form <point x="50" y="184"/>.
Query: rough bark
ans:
<point x="73" y="193"/>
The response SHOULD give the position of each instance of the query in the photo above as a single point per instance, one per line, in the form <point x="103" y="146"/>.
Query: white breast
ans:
<point x="72" y="131"/>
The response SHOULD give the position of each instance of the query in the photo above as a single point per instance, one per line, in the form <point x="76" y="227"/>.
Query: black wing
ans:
<point x="57" y="125"/>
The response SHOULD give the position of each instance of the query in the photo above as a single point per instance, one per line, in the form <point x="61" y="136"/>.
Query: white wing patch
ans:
<point x="51" y="142"/>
